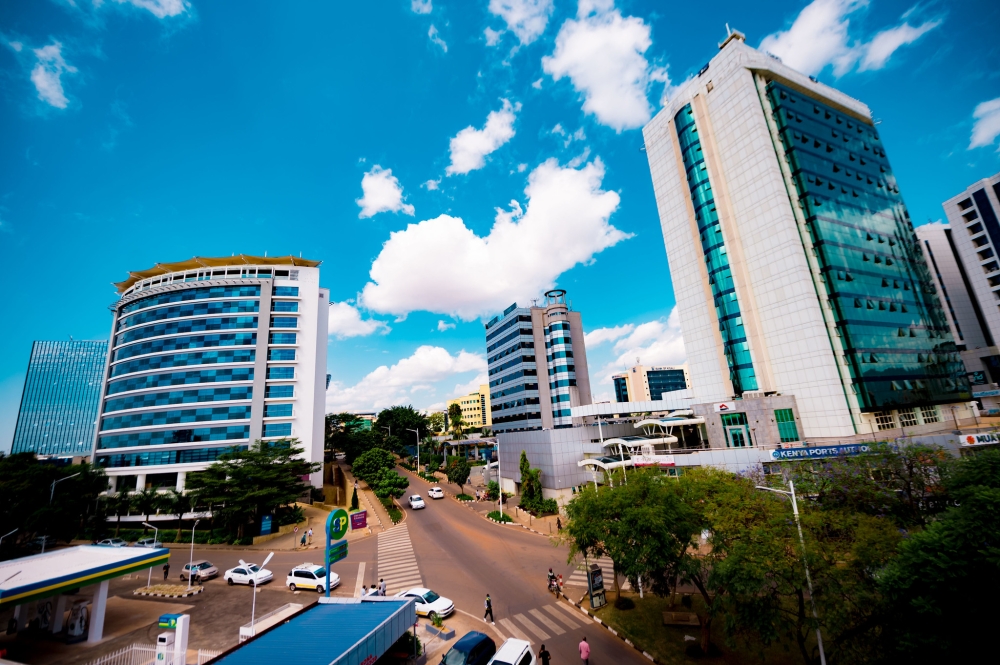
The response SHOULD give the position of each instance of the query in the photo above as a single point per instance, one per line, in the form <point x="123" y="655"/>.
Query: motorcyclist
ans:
<point x="551" y="579"/>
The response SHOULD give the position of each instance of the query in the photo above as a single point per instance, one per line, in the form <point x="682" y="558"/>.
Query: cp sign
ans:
<point x="336" y="524"/>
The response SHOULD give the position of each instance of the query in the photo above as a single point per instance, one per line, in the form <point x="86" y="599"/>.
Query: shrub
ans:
<point x="497" y="516"/>
<point x="290" y="515"/>
<point x="464" y="497"/>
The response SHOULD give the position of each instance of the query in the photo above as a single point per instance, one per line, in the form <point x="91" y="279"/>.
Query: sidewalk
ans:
<point x="378" y="518"/>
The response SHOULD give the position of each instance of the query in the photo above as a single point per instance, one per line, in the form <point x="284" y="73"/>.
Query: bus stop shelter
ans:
<point x="335" y="631"/>
<point x="50" y="579"/>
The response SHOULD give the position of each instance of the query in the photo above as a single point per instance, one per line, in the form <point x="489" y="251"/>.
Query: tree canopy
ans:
<point x="401" y="419"/>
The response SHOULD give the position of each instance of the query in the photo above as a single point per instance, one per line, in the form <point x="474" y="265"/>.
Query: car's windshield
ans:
<point x="253" y="567"/>
<point x="454" y="657"/>
<point x="204" y="566"/>
<point x="321" y="572"/>
<point x="430" y="596"/>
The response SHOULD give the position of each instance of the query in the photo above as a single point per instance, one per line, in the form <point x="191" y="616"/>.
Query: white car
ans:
<point x="435" y="493"/>
<point x="148" y="542"/>
<point x="513" y="652"/>
<point x="248" y="574"/>
<point x="429" y="604"/>
<point x="416" y="502"/>
<point x="311" y="576"/>
<point x="112" y="542"/>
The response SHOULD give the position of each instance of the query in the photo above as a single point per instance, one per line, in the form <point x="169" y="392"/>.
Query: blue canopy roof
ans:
<point x="345" y="631"/>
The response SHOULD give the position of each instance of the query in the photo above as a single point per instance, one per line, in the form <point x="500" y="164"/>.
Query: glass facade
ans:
<point x="664" y="381"/>
<point x="727" y="308"/>
<point x="621" y="389"/>
<point x="61" y="398"/>
<point x="513" y="372"/>
<point x="895" y="334"/>
<point x="559" y="358"/>
<point x="787" y="431"/>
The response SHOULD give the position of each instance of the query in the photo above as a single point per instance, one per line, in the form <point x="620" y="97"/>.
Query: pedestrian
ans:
<point x="374" y="591"/>
<point x="166" y="570"/>
<point x="303" y="541"/>
<point x="585" y="651"/>
<point x="310" y="534"/>
<point x="558" y="524"/>
<point x="544" y="655"/>
<point x="489" y="611"/>
<point x="381" y="587"/>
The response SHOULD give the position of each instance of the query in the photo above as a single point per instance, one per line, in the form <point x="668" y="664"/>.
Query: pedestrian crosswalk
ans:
<point x="537" y="625"/>
<point x="579" y="576"/>
<point x="396" y="563"/>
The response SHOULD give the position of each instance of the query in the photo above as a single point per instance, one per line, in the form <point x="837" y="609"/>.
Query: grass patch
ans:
<point x="465" y="497"/>
<point x="429" y="478"/>
<point x="497" y="516"/>
<point x="643" y="625"/>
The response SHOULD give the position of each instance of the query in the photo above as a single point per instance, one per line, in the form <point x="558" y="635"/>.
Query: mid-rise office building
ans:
<point x="794" y="263"/>
<point x="59" y="403"/>
<point x="208" y="355"/>
<point x="476" y="412"/>
<point x="537" y="365"/>
<point x="643" y="384"/>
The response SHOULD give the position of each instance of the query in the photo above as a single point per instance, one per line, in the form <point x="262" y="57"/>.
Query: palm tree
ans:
<point x="177" y="503"/>
<point x="147" y="502"/>
<point x="119" y="503"/>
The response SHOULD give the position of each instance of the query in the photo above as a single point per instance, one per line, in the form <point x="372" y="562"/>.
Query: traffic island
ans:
<point x="168" y="591"/>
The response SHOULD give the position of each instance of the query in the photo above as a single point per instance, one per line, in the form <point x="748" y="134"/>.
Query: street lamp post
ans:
<point x="499" y="481"/>
<point x="52" y="491"/>
<point x="417" y="432"/>
<point x="805" y="564"/>
<point x="191" y="563"/>
<point x="156" y="534"/>
<point x="7" y="534"/>
<point x="253" y="585"/>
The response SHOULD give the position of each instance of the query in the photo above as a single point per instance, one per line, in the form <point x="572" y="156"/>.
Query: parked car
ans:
<point x="148" y="542"/>
<point x="311" y="576"/>
<point x="416" y="502"/>
<point x="435" y="493"/>
<point x="473" y="648"/>
<point x="199" y="570"/>
<point x="112" y="542"/>
<point x="429" y="604"/>
<point x="514" y="652"/>
<point x="248" y="574"/>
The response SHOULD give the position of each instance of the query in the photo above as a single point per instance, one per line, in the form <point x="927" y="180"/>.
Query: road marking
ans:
<point x="530" y="625"/>
<point x="554" y="612"/>
<point x="397" y="564"/>
<point x="571" y="612"/>
<point x="549" y="623"/>
<point x="514" y="630"/>
<point x="361" y="578"/>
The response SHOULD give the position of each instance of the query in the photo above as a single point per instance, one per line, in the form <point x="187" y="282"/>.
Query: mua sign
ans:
<point x="820" y="452"/>
<point x="980" y="439"/>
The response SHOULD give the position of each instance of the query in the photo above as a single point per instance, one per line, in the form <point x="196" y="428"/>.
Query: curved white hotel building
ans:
<point x="207" y="355"/>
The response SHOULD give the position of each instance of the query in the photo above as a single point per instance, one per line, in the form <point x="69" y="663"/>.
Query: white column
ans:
<point x="112" y="484"/>
<point x="140" y="482"/>
<point x="96" y="632"/>
<point x="181" y="480"/>
<point x="181" y="638"/>
<point x="57" y="618"/>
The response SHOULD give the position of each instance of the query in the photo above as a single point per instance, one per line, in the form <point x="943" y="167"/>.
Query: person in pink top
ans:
<point x="585" y="651"/>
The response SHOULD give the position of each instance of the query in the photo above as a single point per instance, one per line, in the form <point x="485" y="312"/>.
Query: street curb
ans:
<point x="608" y="628"/>
<point x="193" y="592"/>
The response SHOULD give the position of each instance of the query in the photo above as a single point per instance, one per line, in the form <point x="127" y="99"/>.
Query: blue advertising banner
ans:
<point x="820" y="452"/>
<point x="265" y="525"/>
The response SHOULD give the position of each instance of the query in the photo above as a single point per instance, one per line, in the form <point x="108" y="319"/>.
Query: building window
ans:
<point x="277" y="410"/>
<point x="884" y="420"/>
<point x="282" y="338"/>
<point x="287" y="290"/>
<point x="281" y="372"/>
<point x="284" y="306"/>
<point x="281" y="354"/>
<point x="279" y="391"/>
<point x="929" y="414"/>
<point x="284" y="322"/>
<point x="787" y="431"/>
<point x="907" y="418"/>
<point x="277" y="429"/>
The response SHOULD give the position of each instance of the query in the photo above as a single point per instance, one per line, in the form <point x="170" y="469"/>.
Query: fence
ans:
<point x="145" y="654"/>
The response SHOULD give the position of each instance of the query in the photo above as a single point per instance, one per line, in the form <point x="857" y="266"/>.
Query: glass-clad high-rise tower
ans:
<point x="794" y="262"/>
<point x="59" y="403"/>
<point x="208" y="355"/>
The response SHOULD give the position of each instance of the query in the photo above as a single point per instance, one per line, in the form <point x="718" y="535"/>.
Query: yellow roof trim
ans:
<point x="210" y="262"/>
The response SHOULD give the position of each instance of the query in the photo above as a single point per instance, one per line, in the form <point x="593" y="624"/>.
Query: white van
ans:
<point x="514" y="652"/>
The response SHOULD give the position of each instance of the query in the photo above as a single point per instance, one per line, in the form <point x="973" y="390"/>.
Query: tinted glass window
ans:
<point x="526" y="659"/>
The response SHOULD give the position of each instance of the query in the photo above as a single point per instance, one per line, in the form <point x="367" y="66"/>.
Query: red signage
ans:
<point x="359" y="520"/>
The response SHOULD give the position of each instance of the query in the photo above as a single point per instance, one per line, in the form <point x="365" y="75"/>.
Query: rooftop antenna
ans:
<point x="728" y="31"/>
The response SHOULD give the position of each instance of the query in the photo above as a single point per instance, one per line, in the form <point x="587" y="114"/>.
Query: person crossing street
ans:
<point x="489" y="610"/>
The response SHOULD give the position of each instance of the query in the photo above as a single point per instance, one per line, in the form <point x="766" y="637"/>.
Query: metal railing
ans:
<point x="145" y="654"/>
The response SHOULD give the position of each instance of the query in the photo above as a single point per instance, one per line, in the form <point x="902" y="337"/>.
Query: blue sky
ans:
<point x="442" y="158"/>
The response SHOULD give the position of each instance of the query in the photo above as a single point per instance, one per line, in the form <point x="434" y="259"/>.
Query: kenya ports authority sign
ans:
<point x="820" y="452"/>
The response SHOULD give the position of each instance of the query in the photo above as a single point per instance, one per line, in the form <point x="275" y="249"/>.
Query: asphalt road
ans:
<point x="463" y="557"/>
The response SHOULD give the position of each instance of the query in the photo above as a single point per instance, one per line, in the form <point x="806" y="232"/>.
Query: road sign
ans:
<point x="336" y="524"/>
<point x="359" y="520"/>
<point x="337" y="552"/>
<point x="595" y="584"/>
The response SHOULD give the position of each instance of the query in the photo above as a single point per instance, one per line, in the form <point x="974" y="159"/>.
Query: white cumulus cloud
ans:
<point x="470" y="146"/>
<point x="47" y="75"/>
<point x="422" y="6"/>
<point x="471" y="386"/>
<point x="381" y="193"/>
<point x="159" y="8"/>
<point x="386" y="386"/>
<point x="525" y="18"/>
<point x="436" y="38"/>
<point x="444" y="325"/>
<point x="345" y="321"/>
<point x="492" y="36"/>
<point x="820" y="36"/>
<point x="602" y="335"/>
<point x="987" y="124"/>
<point x="602" y="53"/>
<point x="427" y="265"/>
<point x="656" y="342"/>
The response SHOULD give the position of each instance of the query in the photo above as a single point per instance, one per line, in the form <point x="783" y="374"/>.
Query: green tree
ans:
<point x="456" y="420"/>
<point x="369" y="464"/>
<point x="177" y="503"/>
<point x="531" y="485"/>
<point x="147" y="502"/>
<point x="118" y="504"/>
<point x="244" y="485"/>
<point x="941" y="589"/>
<point x="435" y="422"/>
<point x="354" y="499"/>
<point x="401" y="419"/>
<point x="339" y="429"/>
<point x="458" y="473"/>
<point x="25" y="503"/>
<point x="389" y="483"/>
